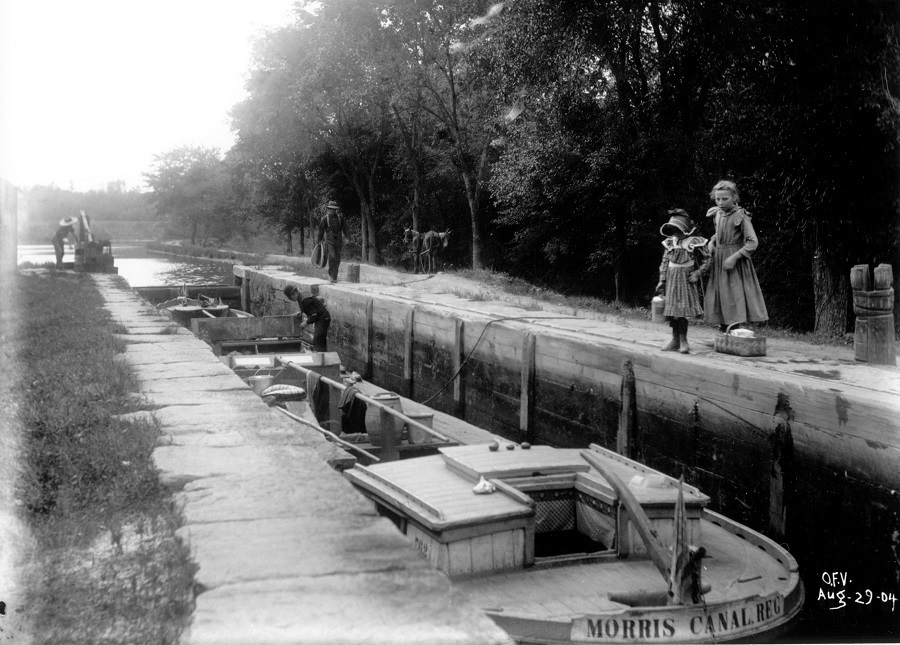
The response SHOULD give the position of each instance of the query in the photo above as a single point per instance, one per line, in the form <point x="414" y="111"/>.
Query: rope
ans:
<point x="481" y="336"/>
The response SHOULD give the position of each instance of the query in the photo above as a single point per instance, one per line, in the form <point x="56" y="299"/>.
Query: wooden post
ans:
<point x="625" y="439"/>
<point x="459" y="383"/>
<point x="245" y="294"/>
<point x="781" y="477"/>
<point x="389" y="437"/>
<point x="873" y="338"/>
<point x="526" y="397"/>
<point x="370" y="339"/>
<point x="409" y="341"/>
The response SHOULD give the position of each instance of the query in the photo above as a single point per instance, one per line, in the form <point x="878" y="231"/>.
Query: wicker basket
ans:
<point x="729" y="344"/>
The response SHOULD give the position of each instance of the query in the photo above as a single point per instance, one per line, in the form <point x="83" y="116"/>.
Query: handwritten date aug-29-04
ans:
<point x="837" y="593"/>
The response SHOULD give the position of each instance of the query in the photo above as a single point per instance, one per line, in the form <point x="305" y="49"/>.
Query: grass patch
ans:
<point x="108" y="566"/>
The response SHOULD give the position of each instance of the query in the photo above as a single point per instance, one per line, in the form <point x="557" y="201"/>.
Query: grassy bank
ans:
<point x="107" y="566"/>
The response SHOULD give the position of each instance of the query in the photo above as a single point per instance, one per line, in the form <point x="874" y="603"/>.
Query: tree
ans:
<point x="192" y="185"/>
<point x="439" y="47"/>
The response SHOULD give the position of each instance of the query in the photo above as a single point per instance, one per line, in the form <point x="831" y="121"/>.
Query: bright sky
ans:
<point x="91" y="90"/>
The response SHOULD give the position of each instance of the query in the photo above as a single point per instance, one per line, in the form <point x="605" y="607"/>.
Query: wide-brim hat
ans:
<point x="678" y="222"/>
<point x="332" y="205"/>
<point x="68" y="221"/>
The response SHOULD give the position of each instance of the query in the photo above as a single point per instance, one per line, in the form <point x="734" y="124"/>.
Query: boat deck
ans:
<point x="734" y="569"/>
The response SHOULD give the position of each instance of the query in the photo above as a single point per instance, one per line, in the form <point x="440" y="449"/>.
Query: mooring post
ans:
<point x="408" y="348"/>
<point x="526" y="398"/>
<point x="245" y="293"/>
<point x="626" y="441"/>
<point x="780" y="480"/>
<point x="873" y="337"/>
<point x="459" y="383"/>
<point x="370" y="338"/>
<point x="389" y="438"/>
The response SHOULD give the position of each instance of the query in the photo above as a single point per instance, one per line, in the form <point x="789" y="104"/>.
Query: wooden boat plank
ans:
<point x="735" y="569"/>
<point x="476" y="461"/>
<point x="439" y="488"/>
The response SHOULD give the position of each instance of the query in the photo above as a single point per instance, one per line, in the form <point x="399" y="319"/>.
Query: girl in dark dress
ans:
<point x="679" y="274"/>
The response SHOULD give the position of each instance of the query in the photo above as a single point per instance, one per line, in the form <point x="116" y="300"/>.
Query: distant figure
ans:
<point x="679" y="273"/>
<point x="414" y="240"/>
<point x="66" y="229"/>
<point x="733" y="294"/>
<point x="316" y="314"/>
<point x="432" y="243"/>
<point x="332" y="231"/>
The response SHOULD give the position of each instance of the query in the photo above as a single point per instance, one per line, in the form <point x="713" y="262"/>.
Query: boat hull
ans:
<point x="749" y="620"/>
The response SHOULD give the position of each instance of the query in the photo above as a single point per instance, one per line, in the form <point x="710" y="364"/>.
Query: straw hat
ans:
<point x="68" y="221"/>
<point x="679" y="220"/>
<point x="332" y="205"/>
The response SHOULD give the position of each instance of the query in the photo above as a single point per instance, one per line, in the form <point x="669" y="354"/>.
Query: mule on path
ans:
<point x="432" y="243"/>
<point x="414" y="240"/>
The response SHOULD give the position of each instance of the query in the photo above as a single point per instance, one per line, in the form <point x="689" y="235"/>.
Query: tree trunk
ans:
<point x="468" y="181"/>
<point x="373" y="242"/>
<point x="831" y="290"/>
<point x="473" y="183"/>
<point x="289" y="239"/>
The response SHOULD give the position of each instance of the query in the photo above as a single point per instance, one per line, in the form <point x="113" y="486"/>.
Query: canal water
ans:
<point x="140" y="267"/>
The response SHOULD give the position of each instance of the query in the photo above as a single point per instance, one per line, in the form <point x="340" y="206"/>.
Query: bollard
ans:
<point x="873" y="338"/>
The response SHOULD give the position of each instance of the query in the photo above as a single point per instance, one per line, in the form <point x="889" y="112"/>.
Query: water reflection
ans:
<point x="140" y="267"/>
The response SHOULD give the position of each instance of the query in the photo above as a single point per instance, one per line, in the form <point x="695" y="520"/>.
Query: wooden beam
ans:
<point x="636" y="513"/>
<point x="526" y="398"/>
<point x="459" y="383"/>
<point x="409" y="346"/>
<point x="245" y="293"/>
<point x="626" y="439"/>
<point x="369" y="335"/>
<point x="781" y="480"/>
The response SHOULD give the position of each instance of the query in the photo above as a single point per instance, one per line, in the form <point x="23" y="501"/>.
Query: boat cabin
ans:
<point x="548" y="506"/>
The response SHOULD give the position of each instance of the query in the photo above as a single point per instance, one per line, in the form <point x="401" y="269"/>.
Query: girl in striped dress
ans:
<point x="679" y="273"/>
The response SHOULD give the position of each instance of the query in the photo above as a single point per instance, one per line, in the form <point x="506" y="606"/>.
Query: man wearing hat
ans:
<point x="66" y="228"/>
<point x="332" y="230"/>
<point x="316" y="314"/>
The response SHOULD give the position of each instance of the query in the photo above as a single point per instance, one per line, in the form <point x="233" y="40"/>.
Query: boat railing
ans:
<point x="331" y="436"/>
<point x="390" y="438"/>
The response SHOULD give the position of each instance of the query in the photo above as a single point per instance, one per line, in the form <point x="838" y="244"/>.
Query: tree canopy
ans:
<point x="552" y="137"/>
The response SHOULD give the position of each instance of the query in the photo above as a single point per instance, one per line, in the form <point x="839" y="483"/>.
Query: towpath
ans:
<point x="287" y="550"/>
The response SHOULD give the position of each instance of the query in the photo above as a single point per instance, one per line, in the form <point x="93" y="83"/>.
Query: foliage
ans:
<point x="192" y="185"/>
<point x="553" y="137"/>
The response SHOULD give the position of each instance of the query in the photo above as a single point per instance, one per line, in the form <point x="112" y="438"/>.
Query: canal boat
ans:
<point x="183" y="309"/>
<point x="586" y="546"/>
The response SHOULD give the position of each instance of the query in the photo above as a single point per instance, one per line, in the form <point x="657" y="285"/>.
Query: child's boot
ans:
<point x="673" y="344"/>
<point x="683" y="346"/>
